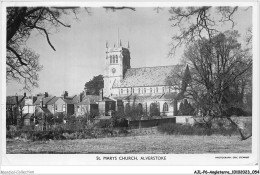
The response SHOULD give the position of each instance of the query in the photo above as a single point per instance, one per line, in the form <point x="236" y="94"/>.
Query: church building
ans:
<point x="145" y="88"/>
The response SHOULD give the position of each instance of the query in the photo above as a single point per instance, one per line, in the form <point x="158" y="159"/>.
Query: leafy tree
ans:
<point x="94" y="86"/>
<point x="186" y="108"/>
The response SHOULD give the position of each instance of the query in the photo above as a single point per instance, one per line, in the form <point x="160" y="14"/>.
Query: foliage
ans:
<point x="185" y="108"/>
<point x="94" y="86"/>
<point x="154" y="109"/>
<point x="178" y="129"/>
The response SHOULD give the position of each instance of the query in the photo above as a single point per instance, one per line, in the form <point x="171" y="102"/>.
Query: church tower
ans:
<point x="116" y="64"/>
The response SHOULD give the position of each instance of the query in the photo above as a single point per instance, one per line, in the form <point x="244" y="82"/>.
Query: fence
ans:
<point x="150" y="123"/>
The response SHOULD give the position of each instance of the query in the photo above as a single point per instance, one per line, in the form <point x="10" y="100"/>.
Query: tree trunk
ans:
<point x="243" y="137"/>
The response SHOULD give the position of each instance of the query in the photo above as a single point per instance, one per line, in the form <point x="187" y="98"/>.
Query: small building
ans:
<point x="88" y="105"/>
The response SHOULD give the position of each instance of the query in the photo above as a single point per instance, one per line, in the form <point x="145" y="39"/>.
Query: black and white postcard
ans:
<point x="130" y="84"/>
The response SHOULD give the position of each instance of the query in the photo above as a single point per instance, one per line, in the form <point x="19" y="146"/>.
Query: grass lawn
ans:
<point x="147" y="144"/>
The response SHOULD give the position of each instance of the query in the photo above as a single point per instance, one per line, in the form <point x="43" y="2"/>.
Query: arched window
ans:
<point x="162" y="89"/>
<point x="127" y="108"/>
<point x="116" y="59"/>
<point x="139" y="109"/>
<point x="165" y="107"/>
<point x="113" y="58"/>
<point x="156" y="89"/>
<point x="154" y="109"/>
<point x="110" y="58"/>
<point x="127" y="90"/>
<point x="138" y="90"/>
<point x="151" y="90"/>
<point x="144" y="90"/>
<point x="121" y="91"/>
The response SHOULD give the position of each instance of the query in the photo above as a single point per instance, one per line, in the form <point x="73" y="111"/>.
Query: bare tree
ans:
<point x="22" y="63"/>
<point x="218" y="68"/>
<point x="193" y="23"/>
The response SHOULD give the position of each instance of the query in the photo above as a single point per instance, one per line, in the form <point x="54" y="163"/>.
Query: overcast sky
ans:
<point x="80" y="50"/>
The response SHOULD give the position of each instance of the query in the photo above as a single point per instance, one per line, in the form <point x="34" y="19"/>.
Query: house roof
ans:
<point x="89" y="99"/>
<point x="40" y="110"/>
<point x="45" y="100"/>
<point x="11" y="100"/>
<point x="53" y="100"/>
<point x="28" y="115"/>
<point x="69" y="101"/>
<point x="145" y="76"/>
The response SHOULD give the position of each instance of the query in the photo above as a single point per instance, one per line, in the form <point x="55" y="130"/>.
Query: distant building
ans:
<point x="145" y="87"/>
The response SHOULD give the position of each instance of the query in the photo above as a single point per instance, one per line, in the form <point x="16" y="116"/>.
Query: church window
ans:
<point x="151" y="90"/>
<point x="165" y="107"/>
<point x="127" y="108"/>
<point x="113" y="59"/>
<point x="139" y="109"/>
<point x="116" y="59"/>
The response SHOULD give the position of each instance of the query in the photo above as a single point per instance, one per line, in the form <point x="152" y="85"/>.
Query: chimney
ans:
<point x="65" y="94"/>
<point x="34" y="98"/>
<point x="46" y="94"/>
<point x="81" y="97"/>
<point x="16" y="99"/>
<point x="41" y="100"/>
<point x="101" y="94"/>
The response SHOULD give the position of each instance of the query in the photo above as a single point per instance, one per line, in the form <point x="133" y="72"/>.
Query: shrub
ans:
<point x="103" y="124"/>
<point x="167" y="128"/>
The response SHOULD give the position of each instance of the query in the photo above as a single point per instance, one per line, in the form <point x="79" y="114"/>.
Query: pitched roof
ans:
<point x="68" y="101"/>
<point x="145" y="76"/>
<point x="45" y="100"/>
<point x="11" y="100"/>
<point x="53" y="100"/>
<point x="89" y="99"/>
<point x="28" y="115"/>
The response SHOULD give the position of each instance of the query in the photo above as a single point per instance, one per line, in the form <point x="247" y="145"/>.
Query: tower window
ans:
<point x="116" y="59"/>
<point x="113" y="59"/>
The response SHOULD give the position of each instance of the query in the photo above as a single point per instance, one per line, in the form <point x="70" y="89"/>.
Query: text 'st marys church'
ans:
<point x="145" y="87"/>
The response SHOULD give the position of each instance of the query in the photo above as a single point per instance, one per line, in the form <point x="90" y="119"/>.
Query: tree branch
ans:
<point x="17" y="55"/>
